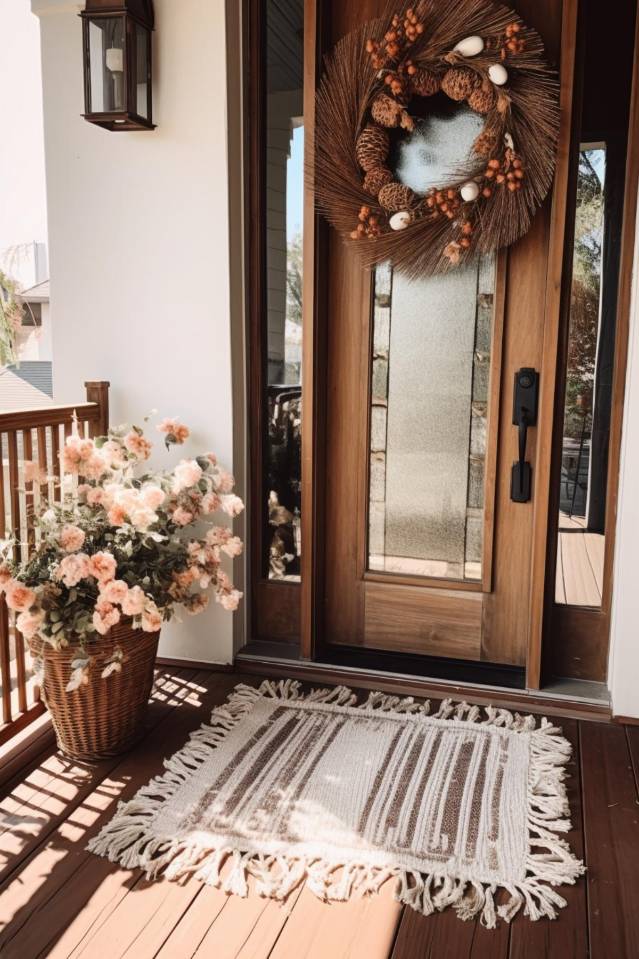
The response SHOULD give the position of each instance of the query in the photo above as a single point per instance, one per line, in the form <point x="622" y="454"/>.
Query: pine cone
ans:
<point x="386" y="111"/>
<point x="482" y="100"/>
<point x="484" y="145"/>
<point x="371" y="148"/>
<point x="425" y="83"/>
<point x="395" y="196"/>
<point x="376" y="178"/>
<point x="459" y="82"/>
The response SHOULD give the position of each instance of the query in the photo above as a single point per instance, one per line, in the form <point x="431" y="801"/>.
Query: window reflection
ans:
<point x="584" y="458"/>
<point x="284" y="206"/>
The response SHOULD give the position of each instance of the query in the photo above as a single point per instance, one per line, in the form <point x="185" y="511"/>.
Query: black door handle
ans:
<point x="525" y="400"/>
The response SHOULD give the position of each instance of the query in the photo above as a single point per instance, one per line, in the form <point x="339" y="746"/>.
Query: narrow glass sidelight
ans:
<point x="588" y="394"/>
<point x="431" y="352"/>
<point x="284" y="109"/>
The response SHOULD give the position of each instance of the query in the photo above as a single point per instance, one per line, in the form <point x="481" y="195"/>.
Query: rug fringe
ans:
<point x="128" y="839"/>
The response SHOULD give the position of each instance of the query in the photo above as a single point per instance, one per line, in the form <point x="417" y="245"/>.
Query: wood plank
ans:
<point x="632" y="733"/>
<point x="443" y="934"/>
<point x="68" y="888"/>
<point x="596" y="550"/>
<point x="245" y="928"/>
<point x="567" y="936"/>
<point x="362" y="928"/>
<point x="195" y="923"/>
<point x="579" y="579"/>
<point x="611" y="831"/>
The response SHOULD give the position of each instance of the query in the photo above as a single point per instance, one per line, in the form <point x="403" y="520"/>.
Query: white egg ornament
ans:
<point x="470" y="46"/>
<point x="469" y="191"/>
<point x="498" y="74"/>
<point x="399" y="221"/>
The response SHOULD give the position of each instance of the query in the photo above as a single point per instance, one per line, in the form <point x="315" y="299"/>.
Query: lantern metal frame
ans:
<point x="133" y="13"/>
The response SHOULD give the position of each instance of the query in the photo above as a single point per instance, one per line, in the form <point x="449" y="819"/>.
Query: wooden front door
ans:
<point x="425" y="549"/>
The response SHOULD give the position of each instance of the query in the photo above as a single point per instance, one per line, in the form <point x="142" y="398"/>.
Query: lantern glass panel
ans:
<point x="107" y="60"/>
<point x="142" y="59"/>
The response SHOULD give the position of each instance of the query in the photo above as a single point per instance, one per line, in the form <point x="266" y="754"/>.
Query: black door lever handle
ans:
<point x="523" y="436"/>
<point x="525" y="398"/>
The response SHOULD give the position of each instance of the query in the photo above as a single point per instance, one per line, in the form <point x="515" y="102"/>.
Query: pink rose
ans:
<point x="233" y="546"/>
<point x="229" y="601"/>
<point x="153" y="496"/>
<point x="18" y="596"/>
<point x="232" y="504"/>
<point x="115" y="591"/>
<point x="5" y="576"/>
<point x="114" y="454"/>
<point x="210" y="502"/>
<point x="175" y="431"/>
<point x="29" y="623"/>
<point x="138" y="445"/>
<point x="103" y="566"/>
<point x="187" y="473"/>
<point x="151" y="618"/>
<point x="134" y="602"/>
<point x="72" y="569"/>
<point x="116" y="515"/>
<point x="225" y="481"/>
<point x="105" y="616"/>
<point x="94" y="467"/>
<point x="95" y="496"/>
<point x="182" y="517"/>
<point x="33" y="472"/>
<point x="71" y="538"/>
<point x="142" y="517"/>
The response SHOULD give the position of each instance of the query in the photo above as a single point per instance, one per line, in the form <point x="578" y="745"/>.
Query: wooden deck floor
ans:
<point x="580" y="564"/>
<point x="58" y="900"/>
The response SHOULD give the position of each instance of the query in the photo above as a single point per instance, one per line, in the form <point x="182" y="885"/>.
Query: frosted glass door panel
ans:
<point x="431" y="362"/>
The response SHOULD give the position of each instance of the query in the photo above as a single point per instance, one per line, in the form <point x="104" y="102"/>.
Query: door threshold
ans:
<point x="576" y="705"/>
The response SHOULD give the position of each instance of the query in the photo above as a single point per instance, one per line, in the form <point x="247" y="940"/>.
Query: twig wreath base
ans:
<point x="475" y="52"/>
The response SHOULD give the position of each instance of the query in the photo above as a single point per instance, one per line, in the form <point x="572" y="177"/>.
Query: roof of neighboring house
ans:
<point x="36" y="294"/>
<point x="26" y="386"/>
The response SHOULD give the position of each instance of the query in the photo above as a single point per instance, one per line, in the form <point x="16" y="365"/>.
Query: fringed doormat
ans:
<point x="463" y="807"/>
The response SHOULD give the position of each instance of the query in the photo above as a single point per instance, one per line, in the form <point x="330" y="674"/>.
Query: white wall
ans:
<point x="22" y="196"/>
<point x="624" y="651"/>
<point x="138" y="232"/>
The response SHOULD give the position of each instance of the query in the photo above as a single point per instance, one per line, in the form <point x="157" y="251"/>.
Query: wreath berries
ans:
<point x="476" y="53"/>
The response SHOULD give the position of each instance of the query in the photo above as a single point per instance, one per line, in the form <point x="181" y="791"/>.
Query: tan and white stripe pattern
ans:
<point x="319" y="784"/>
<point x="384" y="789"/>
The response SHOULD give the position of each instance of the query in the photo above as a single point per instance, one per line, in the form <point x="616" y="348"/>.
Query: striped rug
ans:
<point x="343" y="795"/>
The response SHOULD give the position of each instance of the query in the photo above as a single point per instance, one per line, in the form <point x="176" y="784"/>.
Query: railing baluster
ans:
<point x="55" y="456"/>
<point x="19" y="553"/>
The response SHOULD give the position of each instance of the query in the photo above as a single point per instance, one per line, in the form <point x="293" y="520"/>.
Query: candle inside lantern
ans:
<point x="115" y="59"/>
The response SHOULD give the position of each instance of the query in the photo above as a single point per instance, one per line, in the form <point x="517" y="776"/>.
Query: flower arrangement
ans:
<point x="121" y="544"/>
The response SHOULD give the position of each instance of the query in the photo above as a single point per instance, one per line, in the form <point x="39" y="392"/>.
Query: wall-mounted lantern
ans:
<point x="117" y="63"/>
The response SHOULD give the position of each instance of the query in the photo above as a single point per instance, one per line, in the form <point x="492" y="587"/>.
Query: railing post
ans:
<point x="98" y="392"/>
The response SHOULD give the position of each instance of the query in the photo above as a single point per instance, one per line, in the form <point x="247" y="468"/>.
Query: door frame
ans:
<point x="314" y="351"/>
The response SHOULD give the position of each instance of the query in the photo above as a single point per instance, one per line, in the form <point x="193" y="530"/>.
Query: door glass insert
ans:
<point x="284" y="148"/>
<point x="430" y="375"/>
<point x="588" y="395"/>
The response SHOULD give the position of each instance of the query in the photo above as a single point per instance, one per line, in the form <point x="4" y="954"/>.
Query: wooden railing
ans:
<point x="36" y="436"/>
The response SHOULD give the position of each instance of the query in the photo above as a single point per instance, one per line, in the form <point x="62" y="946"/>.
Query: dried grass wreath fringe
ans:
<point x="474" y="51"/>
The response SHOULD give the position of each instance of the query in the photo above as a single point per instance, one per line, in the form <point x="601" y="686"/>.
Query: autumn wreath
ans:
<point x="476" y="53"/>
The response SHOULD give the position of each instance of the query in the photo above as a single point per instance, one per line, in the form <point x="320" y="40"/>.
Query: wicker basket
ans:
<point x="105" y="717"/>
